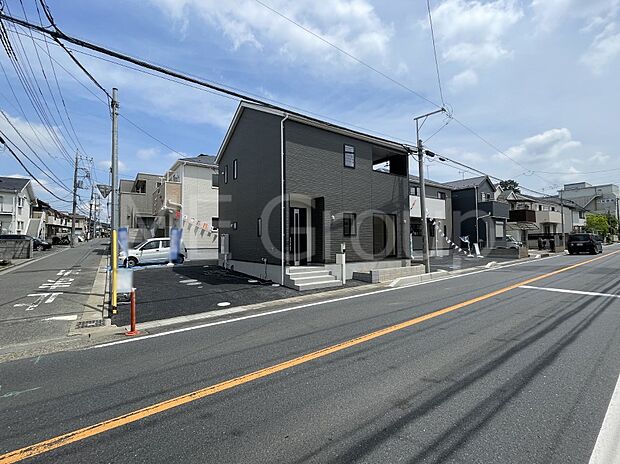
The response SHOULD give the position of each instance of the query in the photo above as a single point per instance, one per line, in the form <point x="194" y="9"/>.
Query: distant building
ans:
<point x="477" y="213"/>
<point x="187" y="197"/>
<point x="16" y="199"/>
<point x="599" y="199"/>
<point x="136" y="206"/>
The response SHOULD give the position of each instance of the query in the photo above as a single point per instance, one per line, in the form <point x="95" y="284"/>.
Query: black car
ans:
<point x="584" y="243"/>
<point x="37" y="243"/>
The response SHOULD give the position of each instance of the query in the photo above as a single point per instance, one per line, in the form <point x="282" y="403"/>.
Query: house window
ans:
<point x="235" y="169"/>
<point x="226" y="174"/>
<point x="499" y="230"/>
<point x="20" y="226"/>
<point x="486" y="196"/>
<point x="441" y="195"/>
<point x="215" y="223"/>
<point x="259" y="227"/>
<point x="349" y="156"/>
<point x="445" y="231"/>
<point x="215" y="180"/>
<point x="20" y="201"/>
<point x="349" y="225"/>
<point x="234" y="225"/>
<point x="1" y="203"/>
<point x="415" y="191"/>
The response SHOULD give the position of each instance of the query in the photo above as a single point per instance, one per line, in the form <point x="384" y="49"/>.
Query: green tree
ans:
<point x="597" y="223"/>
<point x="613" y="223"/>
<point x="510" y="185"/>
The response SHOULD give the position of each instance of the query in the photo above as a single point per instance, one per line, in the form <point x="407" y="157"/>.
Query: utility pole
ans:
<point x="75" y="186"/>
<point x="562" y="208"/>
<point x="424" y="219"/>
<point x="90" y="211"/>
<point x="115" y="204"/>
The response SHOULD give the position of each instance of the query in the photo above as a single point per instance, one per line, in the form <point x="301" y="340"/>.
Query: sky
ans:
<point x="532" y="85"/>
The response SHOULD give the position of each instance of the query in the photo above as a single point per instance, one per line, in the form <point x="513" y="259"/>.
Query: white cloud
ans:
<point x="105" y="164"/>
<point x="471" y="31"/>
<point x="146" y="153"/>
<point x="464" y="79"/>
<point x="604" y="49"/>
<point x="36" y="135"/>
<point x="549" y="14"/>
<point x="350" y="24"/>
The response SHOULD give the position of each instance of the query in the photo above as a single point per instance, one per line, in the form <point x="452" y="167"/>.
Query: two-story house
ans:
<point x="295" y="191"/>
<point x="439" y="206"/>
<point x="16" y="198"/>
<point x="187" y="197"/>
<point x="477" y="213"/>
<point x="136" y="206"/>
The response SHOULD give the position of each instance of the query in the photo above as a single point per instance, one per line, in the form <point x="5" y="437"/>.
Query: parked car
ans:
<point x="584" y="243"/>
<point x="61" y="240"/>
<point x="151" y="251"/>
<point x="37" y="243"/>
<point x="512" y="243"/>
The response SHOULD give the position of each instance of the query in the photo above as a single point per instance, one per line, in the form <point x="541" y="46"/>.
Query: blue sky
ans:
<point x="536" y="78"/>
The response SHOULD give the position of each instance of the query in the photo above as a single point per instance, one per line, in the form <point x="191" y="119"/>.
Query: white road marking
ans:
<point x="68" y="317"/>
<point x="194" y="283"/>
<point x="576" y="292"/>
<point x="607" y="447"/>
<point x="187" y="281"/>
<point x="224" y="303"/>
<point x="294" y="308"/>
<point x="53" y="297"/>
<point x="39" y="299"/>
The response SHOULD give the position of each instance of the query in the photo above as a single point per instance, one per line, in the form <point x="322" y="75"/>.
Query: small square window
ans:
<point x="441" y="195"/>
<point x="235" y="169"/>
<point x="415" y="191"/>
<point x="349" y="156"/>
<point x="349" y="224"/>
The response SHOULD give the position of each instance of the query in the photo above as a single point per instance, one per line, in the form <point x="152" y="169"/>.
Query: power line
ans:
<point x="430" y="20"/>
<point x="30" y="173"/>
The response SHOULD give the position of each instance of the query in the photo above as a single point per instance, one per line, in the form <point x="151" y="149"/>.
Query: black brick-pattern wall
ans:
<point x="315" y="168"/>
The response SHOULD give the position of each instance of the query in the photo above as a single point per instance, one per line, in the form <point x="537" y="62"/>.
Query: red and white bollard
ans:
<point x="132" y="315"/>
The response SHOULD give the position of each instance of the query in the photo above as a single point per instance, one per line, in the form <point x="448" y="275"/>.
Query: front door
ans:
<point x="298" y="233"/>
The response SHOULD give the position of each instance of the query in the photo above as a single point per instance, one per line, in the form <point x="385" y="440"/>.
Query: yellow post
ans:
<point x="114" y="269"/>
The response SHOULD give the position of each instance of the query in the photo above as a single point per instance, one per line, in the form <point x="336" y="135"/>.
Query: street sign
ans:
<point x="123" y="240"/>
<point x="124" y="280"/>
<point x="104" y="189"/>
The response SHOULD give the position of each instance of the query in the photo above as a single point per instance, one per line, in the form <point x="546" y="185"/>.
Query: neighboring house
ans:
<point x="136" y="206"/>
<point x="477" y="214"/>
<point x="287" y="178"/>
<point x="187" y="197"/>
<point x="439" y="206"/>
<point x="16" y="198"/>
<point x="48" y="221"/>
<point x="599" y="199"/>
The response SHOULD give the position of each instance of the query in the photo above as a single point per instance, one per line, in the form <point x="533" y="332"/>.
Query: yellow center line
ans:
<point x="101" y="427"/>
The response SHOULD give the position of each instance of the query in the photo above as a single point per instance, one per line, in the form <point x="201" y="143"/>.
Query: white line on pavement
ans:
<point x="607" y="447"/>
<point x="292" y="308"/>
<point x="68" y="317"/>
<point x="564" y="290"/>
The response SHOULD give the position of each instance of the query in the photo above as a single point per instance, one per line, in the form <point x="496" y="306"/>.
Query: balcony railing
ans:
<point x="522" y="215"/>
<point x="497" y="209"/>
<point x="549" y="217"/>
<point x="167" y="195"/>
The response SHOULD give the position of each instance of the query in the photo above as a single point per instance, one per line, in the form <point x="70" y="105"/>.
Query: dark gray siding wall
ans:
<point x="256" y="145"/>
<point x="315" y="168"/>
<point x="464" y="214"/>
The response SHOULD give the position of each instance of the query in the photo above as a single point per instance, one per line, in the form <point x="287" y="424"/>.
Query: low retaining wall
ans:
<point x="375" y="276"/>
<point x="15" y="249"/>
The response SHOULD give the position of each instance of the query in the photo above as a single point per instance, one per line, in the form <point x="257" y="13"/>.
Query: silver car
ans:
<point x="151" y="251"/>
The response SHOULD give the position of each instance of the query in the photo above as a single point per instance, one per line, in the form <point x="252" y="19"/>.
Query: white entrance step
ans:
<point x="310" y="278"/>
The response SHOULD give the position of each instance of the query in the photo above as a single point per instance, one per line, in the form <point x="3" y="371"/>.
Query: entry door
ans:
<point x="299" y="239"/>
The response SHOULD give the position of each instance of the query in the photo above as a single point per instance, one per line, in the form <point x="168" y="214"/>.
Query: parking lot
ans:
<point x="194" y="287"/>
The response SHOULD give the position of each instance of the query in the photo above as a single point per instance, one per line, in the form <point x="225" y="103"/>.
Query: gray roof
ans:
<point x="416" y="180"/>
<point x="467" y="183"/>
<point x="202" y="159"/>
<point x="13" y="183"/>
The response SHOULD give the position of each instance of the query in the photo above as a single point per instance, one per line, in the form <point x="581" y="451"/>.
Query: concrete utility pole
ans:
<point x="562" y="209"/>
<point x="424" y="219"/>
<point x="90" y="211"/>
<point x="75" y="186"/>
<point x="115" y="204"/>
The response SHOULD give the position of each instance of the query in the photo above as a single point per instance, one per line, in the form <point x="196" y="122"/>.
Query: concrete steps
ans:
<point x="309" y="278"/>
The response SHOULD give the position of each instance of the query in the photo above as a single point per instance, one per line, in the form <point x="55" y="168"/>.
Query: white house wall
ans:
<point x="200" y="205"/>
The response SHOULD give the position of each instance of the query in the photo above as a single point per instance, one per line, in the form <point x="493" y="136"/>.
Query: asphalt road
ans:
<point x="41" y="300"/>
<point x="500" y="374"/>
